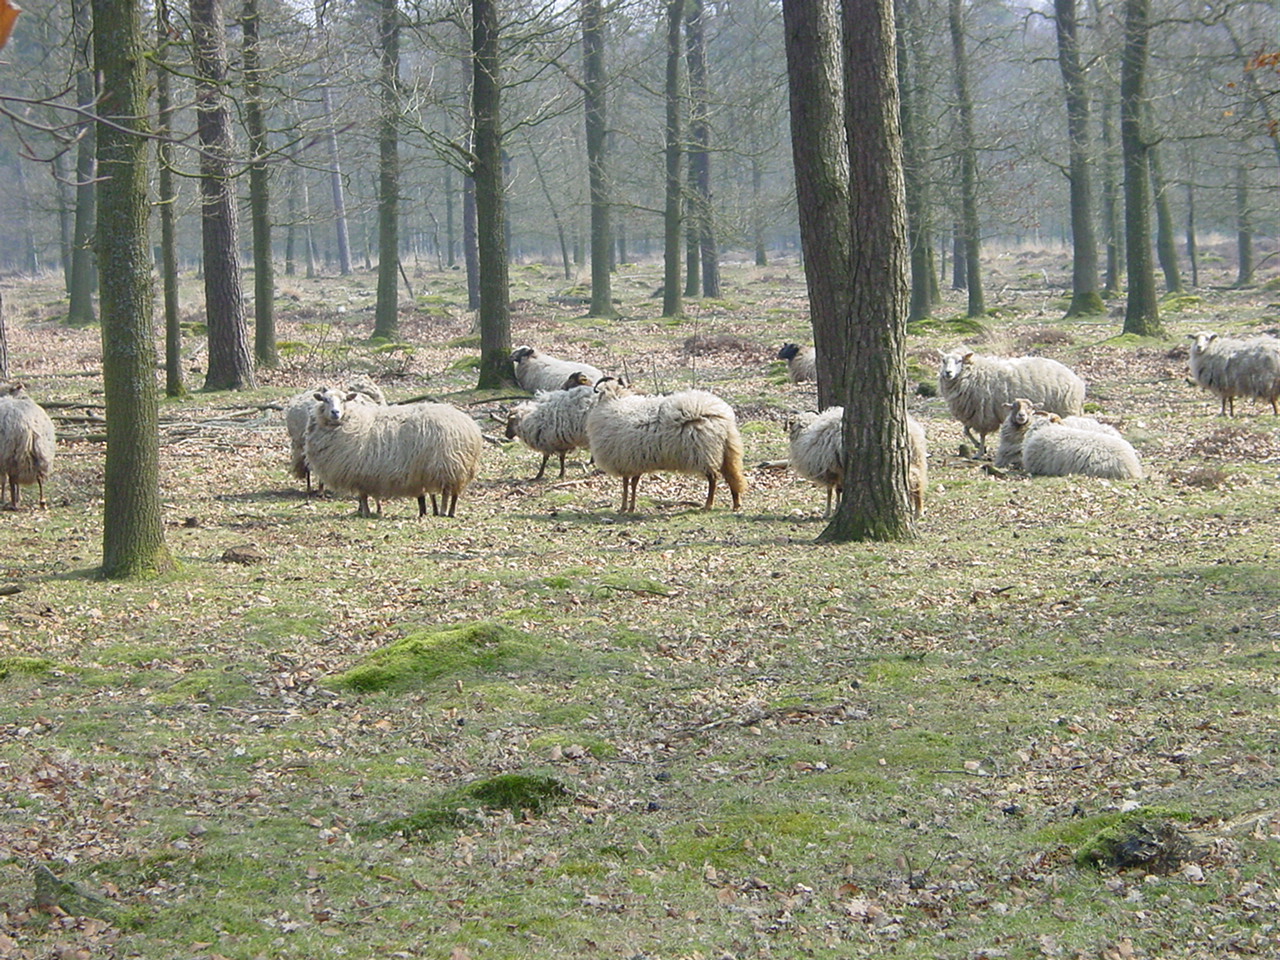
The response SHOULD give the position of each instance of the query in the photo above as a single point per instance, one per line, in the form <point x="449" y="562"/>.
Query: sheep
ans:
<point x="26" y="443"/>
<point x="540" y="371"/>
<point x="554" y="422"/>
<point x="297" y="417"/>
<point x="1018" y="417"/>
<point x="802" y="362"/>
<point x="1234" y="367"/>
<point x="1052" y="449"/>
<point x="976" y="389"/>
<point x="690" y="432"/>
<point x="817" y="454"/>
<point x="355" y="446"/>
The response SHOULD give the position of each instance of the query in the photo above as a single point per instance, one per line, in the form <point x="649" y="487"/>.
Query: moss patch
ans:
<point x="519" y="793"/>
<point x="423" y="657"/>
<point x="27" y="665"/>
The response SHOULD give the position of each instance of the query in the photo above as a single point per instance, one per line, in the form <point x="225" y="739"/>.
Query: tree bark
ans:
<point x="1193" y="252"/>
<point x="264" y="280"/>
<point x="1085" y="299"/>
<point x="671" y="295"/>
<point x="915" y="150"/>
<point x="821" y="160"/>
<point x="876" y="502"/>
<point x="167" y="201"/>
<point x="386" y="322"/>
<point x="1110" y="202"/>
<point x="1244" y="229"/>
<point x="133" y="534"/>
<point x="595" y="93"/>
<point x="491" y="238"/>
<point x="83" y="268"/>
<point x="230" y="362"/>
<point x="1142" y="309"/>
<point x="970" y="228"/>
<point x="703" y="221"/>
<point x="1166" y="244"/>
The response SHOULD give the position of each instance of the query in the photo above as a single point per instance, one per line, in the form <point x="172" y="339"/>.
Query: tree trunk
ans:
<point x="1166" y="244"/>
<point x="133" y="534"/>
<point x="821" y="160"/>
<point x="876" y="504"/>
<point x="566" y="258"/>
<point x="1244" y="229"/>
<point x="167" y="201"/>
<point x="386" y="316"/>
<point x="915" y="150"/>
<point x="450" y="232"/>
<point x="595" y="93"/>
<point x="1193" y="252"/>
<point x="703" y="220"/>
<point x="230" y="362"/>
<point x="4" y="343"/>
<point x="491" y="238"/>
<point x="671" y="298"/>
<point x="1110" y="202"/>
<point x="335" y="168"/>
<point x="757" y="207"/>
<point x="1085" y="299"/>
<point x="1142" y="309"/>
<point x="83" y="267"/>
<point x="66" y="215"/>
<point x="969" y="226"/>
<point x="264" y="280"/>
<point x="470" y="250"/>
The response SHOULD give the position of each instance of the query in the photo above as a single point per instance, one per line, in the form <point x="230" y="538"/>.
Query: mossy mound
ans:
<point x="1148" y="837"/>
<point x="955" y="326"/>
<point x="426" y="656"/>
<point x="27" y="665"/>
<point x="519" y="793"/>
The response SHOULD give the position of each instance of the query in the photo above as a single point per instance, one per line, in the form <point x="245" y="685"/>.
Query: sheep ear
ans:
<point x="351" y="396"/>
<point x="1006" y="407"/>
<point x="318" y="395"/>
<point x="967" y="358"/>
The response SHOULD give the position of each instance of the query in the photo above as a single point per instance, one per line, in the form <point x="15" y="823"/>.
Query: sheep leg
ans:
<point x="827" y="512"/>
<point x="542" y="469"/>
<point x="629" y="485"/>
<point x="563" y="452"/>
<point x="422" y="505"/>
<point x="364" y="506"/>
<point x="451" y="497"/>
<point x="44" y="505"/>
<point x="711" y="491"/>
<point x="435" y="507"/>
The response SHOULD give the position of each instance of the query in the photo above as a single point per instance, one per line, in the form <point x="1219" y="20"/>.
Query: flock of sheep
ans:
<point x="351" y="441"/>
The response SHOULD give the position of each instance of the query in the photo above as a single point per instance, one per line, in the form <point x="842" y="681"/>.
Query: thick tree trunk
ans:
<point x="876" y="504"/>
<point x="230" y="362"/>
<point x="491" y="237"/>
<point x="703" y="220"/>
<point x="264" y="278"/>
<point x="386" y="317"/>
<point x="167" y="202"/>
<point x="83" y="267"/>
<point x="595" y="93"/>
<point x="915" y="150"/>
<point x="1085" y="299"/>
<point x="968" y="149"/>
<point x="1166" y="244"/>
<point x="671" y="295"/>
<point x="1244" y="229"/>
<point x="133" y="534"/>
<point x="1142" y="308"/>
<point x="821" y="159"/>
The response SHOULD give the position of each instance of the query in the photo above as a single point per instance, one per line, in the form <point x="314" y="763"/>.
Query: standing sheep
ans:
<point x="540" y="371"/>
<point x="1234" y="367"/>
<point x="802" y="362"/>
<point x="26" y="443"/>
<point x="1019" y="416"/>
<point x="817" y="454"/>
<point x="1052" y="449"/>
<point x="402" y="451"/>
<point x="297" y="418"/>
<point x="553" y="422"/>
<point x="689" y="432"/>
<point x="976" y="389"/>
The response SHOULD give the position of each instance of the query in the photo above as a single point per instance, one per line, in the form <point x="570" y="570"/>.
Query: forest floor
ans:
<point x="1045" y="727"/>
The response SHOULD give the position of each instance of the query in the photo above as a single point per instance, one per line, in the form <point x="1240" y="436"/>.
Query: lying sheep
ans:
<point x="26" y="443"/>
<point x="297" y="417"/>
<point x="1018" y="417"/>
<point x="1052" y="449"/>
<point x="976" y="389"/>
<point x="817" y="454"/>
<point x="1235" y="367"/>
<point x="802" y="362"/>
<point x="354" y="446"/>
<point x="540" y="371"/>
<point x="689" y="432"/>
<point x="554" y="422"/>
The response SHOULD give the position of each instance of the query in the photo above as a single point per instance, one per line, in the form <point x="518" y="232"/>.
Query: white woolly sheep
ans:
<point x="553" y="422"/>
<point x="1052" y="449"/>
<point x="976" y="389"/>
<point x="817" y="454"/>
<point x="297" y="418"/>
<point x="540" y="371"/>
<point x="401" y="451"/>
<point x="1237" y="367"/>
<point x="689" y="432"/>
<point x="1018" y="418"/>
<point x="802" y="362"/>
<point x="27" y="443"/>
